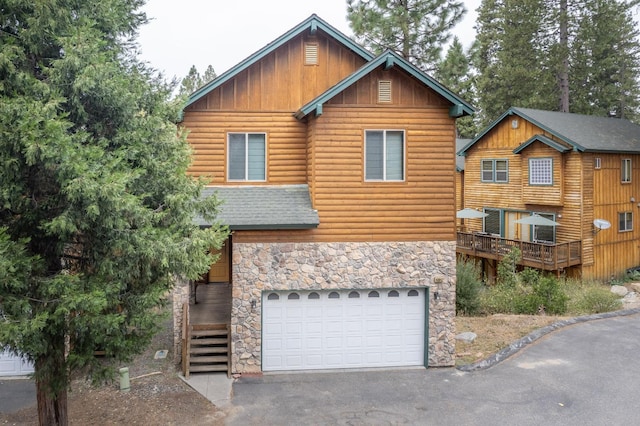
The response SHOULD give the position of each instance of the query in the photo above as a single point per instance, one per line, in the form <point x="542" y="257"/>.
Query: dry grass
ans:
<point x="495" y="333"/>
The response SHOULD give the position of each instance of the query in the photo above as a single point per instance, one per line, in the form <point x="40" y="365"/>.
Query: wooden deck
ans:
<point x="214" y="304"/>
<point x="545" y="256"/>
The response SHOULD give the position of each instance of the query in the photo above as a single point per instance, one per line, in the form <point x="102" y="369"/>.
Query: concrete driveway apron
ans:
<point x="585" y="373"/>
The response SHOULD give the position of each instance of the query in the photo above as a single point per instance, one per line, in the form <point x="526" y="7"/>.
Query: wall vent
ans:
<point x="384" y="91"/>
<point x="311" y="54"/>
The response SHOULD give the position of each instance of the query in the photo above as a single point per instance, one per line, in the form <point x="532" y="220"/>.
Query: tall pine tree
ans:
<point x="455" y="72"/>
<point x="512" y="59"/>
<point x="415" y="29"/>
<point x="97" y="207"/>
<point x="578" y="56"/>
<point x="605" y="60"/>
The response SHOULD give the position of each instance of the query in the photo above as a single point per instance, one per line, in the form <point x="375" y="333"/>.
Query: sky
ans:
<point x="222" y="33"/>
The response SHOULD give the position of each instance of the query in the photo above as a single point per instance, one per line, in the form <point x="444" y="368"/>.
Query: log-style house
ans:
<point x="581" y="172"/>
<point x="337" y="172"/>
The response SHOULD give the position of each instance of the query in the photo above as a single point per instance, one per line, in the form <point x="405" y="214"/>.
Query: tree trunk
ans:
<point x="564" y="60"/>
<point x="52" y="400"/>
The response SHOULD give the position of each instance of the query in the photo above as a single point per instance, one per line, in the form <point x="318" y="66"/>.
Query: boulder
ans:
<point x="467" y="337"/>
<point x="635" y="287"/>
<point x="619" y="290"/>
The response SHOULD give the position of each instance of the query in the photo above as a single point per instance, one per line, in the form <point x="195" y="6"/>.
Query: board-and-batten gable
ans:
<point x="277" y="76"/>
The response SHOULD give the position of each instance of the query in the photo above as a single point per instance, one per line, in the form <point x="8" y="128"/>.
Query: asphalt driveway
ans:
<point x="582" y="374"/>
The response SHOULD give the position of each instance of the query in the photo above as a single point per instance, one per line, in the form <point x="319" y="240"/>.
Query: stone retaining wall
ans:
<point x="258" y="267"/>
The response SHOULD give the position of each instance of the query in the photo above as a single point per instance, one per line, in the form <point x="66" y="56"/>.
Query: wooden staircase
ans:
<point x="206" y="348"/>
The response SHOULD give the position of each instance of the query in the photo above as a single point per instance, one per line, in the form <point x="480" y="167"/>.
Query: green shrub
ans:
<point x="549" y="295"/>
<point x="526" y="293"/>
<point x="468" y="287"/>
<point x="529" y="276"/>
<point x="592" y="298"/>
<point x="507" y="271"/>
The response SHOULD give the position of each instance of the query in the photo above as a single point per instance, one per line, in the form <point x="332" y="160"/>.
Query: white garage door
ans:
<point x="11" y="365"/>
<point x="343" y="329"/>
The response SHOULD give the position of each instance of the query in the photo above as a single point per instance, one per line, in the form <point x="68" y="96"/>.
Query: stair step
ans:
<point x="207" y="368"/>
<point x="208" y="359"/>
<point x="208" y="350"/>
<point x="209" y="341"/>
<point x="198" y="333"/>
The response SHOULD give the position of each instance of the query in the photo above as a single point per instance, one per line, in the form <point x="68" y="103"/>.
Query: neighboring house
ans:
<point x="460" y="144"/>
<point x="583" y="172"/>
<point x="337" y="171"/>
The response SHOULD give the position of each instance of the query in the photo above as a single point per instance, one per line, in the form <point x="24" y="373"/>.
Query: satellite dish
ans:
<point x="601" y="224"/>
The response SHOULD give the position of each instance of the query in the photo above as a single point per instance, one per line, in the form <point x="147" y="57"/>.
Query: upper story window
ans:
<point x="384" y="155"/>
<point x="626" y="170"/>
<point x="597" y="163"/>
<point x="540" y="171"/>
<point x="625" y="221"/>
<point x="247" y="157"/>
<point x="495" y="171"/>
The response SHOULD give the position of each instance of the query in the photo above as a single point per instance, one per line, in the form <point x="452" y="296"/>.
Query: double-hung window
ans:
<point x="625" y="221"/>
<point x="626" y="170"/>
<point x="384" y="155"/>
<point x="540" y="171"/>
<point x="495" y="171"/>
<point x="247" y="157"/>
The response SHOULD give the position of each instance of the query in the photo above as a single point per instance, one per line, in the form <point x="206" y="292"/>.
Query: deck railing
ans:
<point x="545" y="256"/>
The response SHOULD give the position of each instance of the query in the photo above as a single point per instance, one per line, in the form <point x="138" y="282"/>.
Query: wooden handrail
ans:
<point x="186" y="338"/>
<point x="542" y="255"/>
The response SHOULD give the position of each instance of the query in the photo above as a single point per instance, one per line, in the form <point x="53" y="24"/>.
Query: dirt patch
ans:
<point x="494" y="333"/>
<point x="158" y="396"/>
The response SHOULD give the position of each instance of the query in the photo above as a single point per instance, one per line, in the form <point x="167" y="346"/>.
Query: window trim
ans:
<point x="597" y="163"/>
<point x="540" y="159"/>
<point x="384" y="155"/>
<point x="246" y="157"/>
<point x="494" y="170"/>
<point x="624" y="178"/>
<point x="626" y="221"/>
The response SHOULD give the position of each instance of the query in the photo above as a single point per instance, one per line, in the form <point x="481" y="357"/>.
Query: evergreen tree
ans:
<point x="605" y="60"/>
<point x="580" y="56"/>
<point x="513" y="62"/>
<point x="193" y="80"/>
<point x="97" y="207"/>
<point x="454" y="71"/>
<point x="415" y="29"/>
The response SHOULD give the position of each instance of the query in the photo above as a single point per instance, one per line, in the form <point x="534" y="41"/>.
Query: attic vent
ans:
<point x="384" y="91"/>
<point x="311" y="54"/>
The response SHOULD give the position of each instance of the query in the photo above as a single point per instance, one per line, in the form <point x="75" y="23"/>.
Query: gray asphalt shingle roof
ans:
<point x="582" y="132"/>
<point x="264" y="207"/>
<point x="587" y="132"/>
<point x="460" y="143"/>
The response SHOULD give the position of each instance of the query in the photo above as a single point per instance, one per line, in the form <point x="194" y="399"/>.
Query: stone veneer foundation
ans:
<point x="259" y="267"/>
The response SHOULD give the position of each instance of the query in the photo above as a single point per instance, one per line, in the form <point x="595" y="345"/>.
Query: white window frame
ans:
<point x="246" y="157"/>
<point x="541" y="171"/>
<point x="494" y="170"/>
<point x="597" y="163"/>
<point x="628" y="221"/>
<point x="626" y="170"/>
<point x="384" y="155"/>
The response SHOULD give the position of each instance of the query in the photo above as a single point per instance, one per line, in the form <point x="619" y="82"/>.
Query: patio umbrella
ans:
<point x="470" y="214"/>
<point x="537" y="220"/>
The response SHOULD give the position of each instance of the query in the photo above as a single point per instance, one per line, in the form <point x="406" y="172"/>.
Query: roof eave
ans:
<point x="313" y="23"/>
<point x="388" y="59"/>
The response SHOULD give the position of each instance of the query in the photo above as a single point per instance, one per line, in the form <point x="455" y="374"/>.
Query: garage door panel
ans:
<point x="343" y="329"/>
